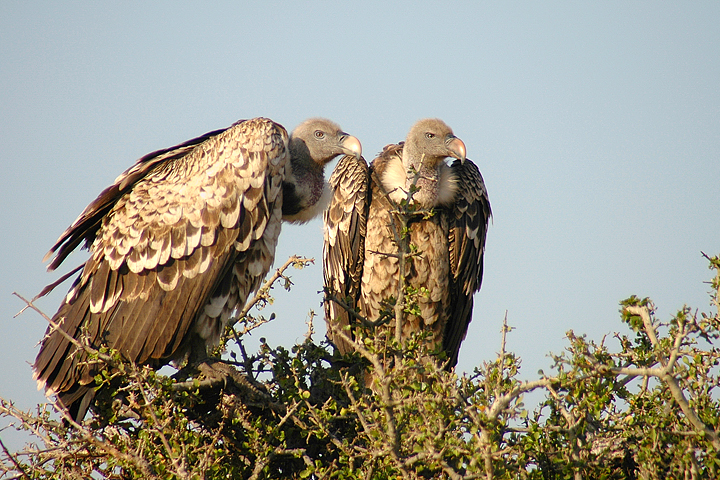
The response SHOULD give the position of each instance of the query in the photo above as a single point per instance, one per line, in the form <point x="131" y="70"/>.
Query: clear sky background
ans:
<point x="596" y="127"/>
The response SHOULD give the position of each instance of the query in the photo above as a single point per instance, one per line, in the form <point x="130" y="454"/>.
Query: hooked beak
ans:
<point x="456" y="148"/>
<point x="350" y="145"/>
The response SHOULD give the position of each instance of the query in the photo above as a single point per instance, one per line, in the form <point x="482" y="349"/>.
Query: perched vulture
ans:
<point x="359" y="242"/>
<point x="178" y="242"/>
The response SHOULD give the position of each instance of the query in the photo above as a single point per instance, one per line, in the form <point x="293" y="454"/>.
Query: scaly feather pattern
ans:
<point x="176" y="244"/>
<point x="345" y="224"/>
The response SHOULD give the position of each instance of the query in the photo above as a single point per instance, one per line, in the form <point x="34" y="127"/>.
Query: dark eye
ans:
<point x="319" y="134"/>
<point x="429" y="135"/>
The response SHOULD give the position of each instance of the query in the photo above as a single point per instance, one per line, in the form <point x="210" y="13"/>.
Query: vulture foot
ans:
<point x="213" y="373"/>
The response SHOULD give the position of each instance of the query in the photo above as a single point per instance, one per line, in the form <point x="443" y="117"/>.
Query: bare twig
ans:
<point x="351" y="311"/>
<point x="14" y="460"/>
<point x="311" y="328"/>
<point x="262" y="294"/>
<point x="265" y="289"/>
<point x="56" y="327"/>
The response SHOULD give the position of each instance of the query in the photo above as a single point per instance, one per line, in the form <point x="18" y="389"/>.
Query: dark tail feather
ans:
<point x="76" y="401"/>
<point x="58" y="365"/>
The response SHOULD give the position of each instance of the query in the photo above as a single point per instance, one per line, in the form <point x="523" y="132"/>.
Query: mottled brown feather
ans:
<point x="141" y="244"/>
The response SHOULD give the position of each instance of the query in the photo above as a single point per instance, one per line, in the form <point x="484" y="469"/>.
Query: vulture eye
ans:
<point x="429" y="135"/>
<point x="319" y="134"/>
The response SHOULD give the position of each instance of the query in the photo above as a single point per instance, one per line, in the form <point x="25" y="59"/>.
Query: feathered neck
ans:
<point x="305" y="191"/>
<point x="435" y="182"/>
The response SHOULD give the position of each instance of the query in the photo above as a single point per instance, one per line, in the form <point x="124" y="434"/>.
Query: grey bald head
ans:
<point x="431" y="141"/>
<point x="321" y="140"/>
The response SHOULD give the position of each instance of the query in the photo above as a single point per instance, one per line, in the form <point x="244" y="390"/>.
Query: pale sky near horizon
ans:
<point x="596" y="128"/>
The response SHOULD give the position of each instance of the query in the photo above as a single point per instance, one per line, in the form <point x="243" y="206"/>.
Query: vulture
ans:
<point x="177" y="243"/>
<point x="449" y="231"/>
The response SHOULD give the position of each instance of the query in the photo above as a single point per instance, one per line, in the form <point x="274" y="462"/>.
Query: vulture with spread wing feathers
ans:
<point x="178" y="242"/>
<point x="358" y="262"/>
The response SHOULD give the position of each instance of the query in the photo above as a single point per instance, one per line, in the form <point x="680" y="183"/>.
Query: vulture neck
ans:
<point x="435" y="182"/>
<point x="305" y="193"/>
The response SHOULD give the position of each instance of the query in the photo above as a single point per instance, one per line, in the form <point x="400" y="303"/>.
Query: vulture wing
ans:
<point x="344" y="248"/>
<point x="469" y="217"/>
<point x="86" y="225"/>
<point x="176" y="243"/>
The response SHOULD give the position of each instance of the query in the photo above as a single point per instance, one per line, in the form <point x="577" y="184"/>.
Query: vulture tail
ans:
<point x="58" y="367"/>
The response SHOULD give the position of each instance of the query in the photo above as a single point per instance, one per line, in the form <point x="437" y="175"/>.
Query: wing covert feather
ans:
<point x="86" y="225"/>
<point x="345" y="222"/>
<point x="163" y="238"/>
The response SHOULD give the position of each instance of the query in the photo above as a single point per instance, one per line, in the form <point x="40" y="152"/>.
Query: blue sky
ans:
<point x="596" y="127"/>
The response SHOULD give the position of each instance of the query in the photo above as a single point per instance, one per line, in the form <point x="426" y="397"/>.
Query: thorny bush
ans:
<point x="637" y="405"/>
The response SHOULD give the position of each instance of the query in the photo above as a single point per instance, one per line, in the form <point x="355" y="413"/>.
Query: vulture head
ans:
<point x="430" y="142"/>
<point x="313" y="144"/>
<point x="319" y="141"/>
